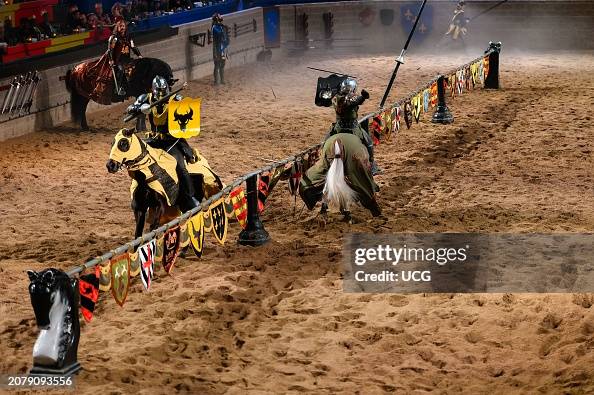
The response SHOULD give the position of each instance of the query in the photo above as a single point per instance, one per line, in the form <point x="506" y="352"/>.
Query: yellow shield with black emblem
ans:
<point x="196" y="232"/>
<point x="184" y="118"/>
<point x="219" y="220"/>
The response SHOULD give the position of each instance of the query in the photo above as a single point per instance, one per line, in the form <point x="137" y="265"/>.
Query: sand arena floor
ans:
<point x="274" y="319"/>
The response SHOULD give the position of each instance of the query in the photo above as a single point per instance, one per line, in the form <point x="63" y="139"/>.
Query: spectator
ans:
<point x="10" y="33"/>
<point x="116" y="11"/>
<point x="102" y="18"/>
<point x="46" y="27"/>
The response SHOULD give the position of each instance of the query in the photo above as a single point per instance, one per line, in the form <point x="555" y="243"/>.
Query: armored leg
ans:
<point x="186" y="199"/>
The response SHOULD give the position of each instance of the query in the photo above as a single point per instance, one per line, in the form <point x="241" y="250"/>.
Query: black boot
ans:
<point x="222" y="72"/>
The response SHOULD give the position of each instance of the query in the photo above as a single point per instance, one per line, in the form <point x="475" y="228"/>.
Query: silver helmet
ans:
<point x="160" y="87"/>
<point x="348" y="85"/>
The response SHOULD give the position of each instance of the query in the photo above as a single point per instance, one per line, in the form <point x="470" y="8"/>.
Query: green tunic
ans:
<point x="356" y="167"/>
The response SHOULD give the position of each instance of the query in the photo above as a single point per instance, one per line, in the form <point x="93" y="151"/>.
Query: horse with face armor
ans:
<point x="155" y="183"/>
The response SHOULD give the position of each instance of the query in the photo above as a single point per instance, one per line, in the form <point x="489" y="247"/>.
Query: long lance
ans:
<point x="400" y="59"/>
<point x="162" y="100"/>
<point x="8" y="96"/>
<point x="488" y="9"/>
<point x="331" y="72"/>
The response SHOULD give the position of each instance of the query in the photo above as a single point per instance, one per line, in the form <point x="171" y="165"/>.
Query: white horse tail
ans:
<point x="336" y="191"/>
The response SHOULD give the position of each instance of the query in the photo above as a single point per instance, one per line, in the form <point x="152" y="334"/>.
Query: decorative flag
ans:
<point x="184" y="117"/>
<point x="105" y="277"/>
<point x="467" y="77"/>
<point x="219" y="220"/>
<point x="452" y="84"/>
<point x="236" y="206"/>
<point x="134" y="264"/>
<point x="171" y="242"/>
<point x="426" y="99"/>
<point x="485" y="67"/>
<point x="417" y="105"/>
<point x="408" y="118"/>
<point x="460" y="81"/>
<point x="396" y="115"/>
<point x="146" y="257"/>
<point x="184" y="236"/>
<point x="294" y="178"/>
<point x="88" y="286"/>
<point x="375" y="129"/>
<point x="196" y="231"/>
<point x="120" y="277"/>
<point x="266" y="182"/>
<point x="388" y="124"/>
<point x="434" y="94"/>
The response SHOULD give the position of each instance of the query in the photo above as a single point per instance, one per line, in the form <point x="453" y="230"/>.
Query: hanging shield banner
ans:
<point x="171" y="241"/>
<point x="408" y="118"/>
<point x="467" y="77"/>
<point x="375" y="129"/>
<point x="88" y="286"/>
<point x="485" y="67"/>
<point x="396" y="115"/>
<point x="196" y="231"/>
<point x="134" y="264"/>
<point x="388" y="124"/>
<point x="120" y="277"/>
<point x="146" y="257"/>
<point x="460" y="81"/>
<point x="426" y="99"/>
<point x="417" y="105"/>
<point x="184" y="236"/>
<point x="433" y="98"/>
<point x="219" y="220"/>
<point x="294" y="178"/>
<point x="105" y="277"/>
<point x="184" y="118"/>
<point x="236" y="206"/>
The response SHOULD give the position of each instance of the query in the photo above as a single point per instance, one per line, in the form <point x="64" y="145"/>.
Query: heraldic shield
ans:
<point x="196" y="231"/>
<point x="219" y="220"/>
<point x="120" y="278"/>
<point x="171" y="241"/>
<point x="184" y="118"/>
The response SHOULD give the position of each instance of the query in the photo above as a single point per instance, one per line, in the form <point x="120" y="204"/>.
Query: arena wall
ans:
<point x="358" y="27"/>
<point x="520" y="24"/>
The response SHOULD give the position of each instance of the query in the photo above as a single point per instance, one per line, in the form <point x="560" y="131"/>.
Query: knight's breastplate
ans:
<point x="158" y="117"/>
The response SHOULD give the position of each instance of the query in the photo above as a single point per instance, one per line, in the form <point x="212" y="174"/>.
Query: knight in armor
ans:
<point x="119" y="46"/>
<point x="346" y="105"/>
<point x="457" y="28"/>
<point x="159" y="137"/>
<point x="220" y="42"/>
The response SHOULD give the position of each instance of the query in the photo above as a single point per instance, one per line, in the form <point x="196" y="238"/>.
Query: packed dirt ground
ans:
<point x="274" y="319"/>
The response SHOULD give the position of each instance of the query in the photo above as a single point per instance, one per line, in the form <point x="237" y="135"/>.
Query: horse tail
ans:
<point x="336" y="191"/>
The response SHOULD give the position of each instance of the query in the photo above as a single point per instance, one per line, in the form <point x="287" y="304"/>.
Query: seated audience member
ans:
<point x="116" y="10"/>
<point x="10" y="33"/>
<point x="102" y="17"/>
<point x="46" y="27"/>
<point x="92" y="21"/>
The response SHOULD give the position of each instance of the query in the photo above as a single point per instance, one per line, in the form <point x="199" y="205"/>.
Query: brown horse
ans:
<point x="93" y="81"/>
